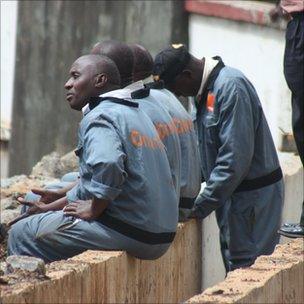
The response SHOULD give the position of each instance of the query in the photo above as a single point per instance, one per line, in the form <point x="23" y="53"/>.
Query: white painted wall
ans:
<point x="8" y="57"/>
<point x="258" y="52"/>
<point x="8" y="47"/>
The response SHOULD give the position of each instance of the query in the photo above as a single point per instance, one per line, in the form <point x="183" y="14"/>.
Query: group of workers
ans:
<point x="142" y="159"/>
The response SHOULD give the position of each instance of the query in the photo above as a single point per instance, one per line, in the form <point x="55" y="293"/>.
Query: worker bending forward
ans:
<point x="238" y="158"/>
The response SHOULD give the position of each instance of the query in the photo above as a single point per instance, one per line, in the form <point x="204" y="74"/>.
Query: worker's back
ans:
<point x="190" y="163"/>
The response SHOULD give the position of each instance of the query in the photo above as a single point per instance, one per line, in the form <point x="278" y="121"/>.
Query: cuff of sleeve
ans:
<point x="202" y="208"/>
<point x="72" y="194"/>
<point x="102" y="191"/>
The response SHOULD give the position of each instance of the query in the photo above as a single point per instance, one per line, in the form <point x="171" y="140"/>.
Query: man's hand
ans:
<point x="86" y="210"/>
<point x="80" y="209"/>
<point x="277" y="13"/>
<point x="48" y="196"/>
<point x="34" y="208"/>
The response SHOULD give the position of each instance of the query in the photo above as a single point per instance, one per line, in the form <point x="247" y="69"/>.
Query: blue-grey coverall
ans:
<point x="122" y="160"/>
<point x="164" y="125"/>
<point x="241" y="168"/>
<point x="190" y="162"/>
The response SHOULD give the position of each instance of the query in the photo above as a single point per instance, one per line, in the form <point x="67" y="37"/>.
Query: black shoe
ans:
<point x="292" y="230"/>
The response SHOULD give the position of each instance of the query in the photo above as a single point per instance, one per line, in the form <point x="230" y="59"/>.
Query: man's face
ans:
<point x="80" y="86"/>
<point x="182" y="86"/>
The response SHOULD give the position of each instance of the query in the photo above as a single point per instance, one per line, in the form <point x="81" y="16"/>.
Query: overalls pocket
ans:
<point x="241" y="226"/>
<point x="69" y="223"/>
<point x="211" y="129"/>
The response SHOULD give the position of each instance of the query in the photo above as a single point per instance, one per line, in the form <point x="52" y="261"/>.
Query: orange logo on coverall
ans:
<point x="176" y="126"/>
<point x="210" y="102"/>
<point x="139" y="140"/>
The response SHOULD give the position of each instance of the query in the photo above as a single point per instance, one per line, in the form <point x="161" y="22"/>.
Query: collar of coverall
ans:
<point x="124" y="93"/>
<point x="210" y="64"/>
<point x="149" y="79"/>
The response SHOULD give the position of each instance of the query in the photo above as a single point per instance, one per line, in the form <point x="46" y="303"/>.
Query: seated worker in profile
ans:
<point x="125" y="199"/>
<point x="164" y="100"/>
<point x="238" y="157"/>
<point x="122" y="56"/>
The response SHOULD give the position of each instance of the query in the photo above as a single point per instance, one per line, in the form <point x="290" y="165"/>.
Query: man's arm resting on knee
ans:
<point x="87" y="210"/>
<point x="39" y="207"/>
<point x="51" y="195"/>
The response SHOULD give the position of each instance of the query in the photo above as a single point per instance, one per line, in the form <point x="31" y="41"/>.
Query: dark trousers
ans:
<point x="294" y="75"/>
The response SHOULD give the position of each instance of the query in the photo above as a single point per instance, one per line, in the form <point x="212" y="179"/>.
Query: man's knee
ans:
<point x="70" y="177"/>
<point x="15" y="236"/>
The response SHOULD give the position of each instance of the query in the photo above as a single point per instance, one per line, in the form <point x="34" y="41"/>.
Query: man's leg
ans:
<point x="268" y="214"/>
<point x="222" y="222"/>
<point x="294" y="75"/>
<point x="54" y="236"/>
<point x="242" y="247"/>
<point x="302" y="216"/>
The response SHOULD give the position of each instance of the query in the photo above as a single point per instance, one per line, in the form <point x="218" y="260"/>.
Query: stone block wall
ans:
<point x="272" y="279"/>
<point x="115" y="277"/>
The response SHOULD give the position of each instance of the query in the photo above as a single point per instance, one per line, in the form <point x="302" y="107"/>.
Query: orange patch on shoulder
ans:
<point x="210" y="102"/>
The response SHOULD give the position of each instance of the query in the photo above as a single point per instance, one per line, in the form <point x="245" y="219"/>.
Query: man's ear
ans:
<point x="100" y="80"/>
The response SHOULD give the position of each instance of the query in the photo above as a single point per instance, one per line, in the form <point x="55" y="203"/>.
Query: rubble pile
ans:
<point x="19" y="268"/>
<point x="48" y="170"/>
<point x="55" y="165"/>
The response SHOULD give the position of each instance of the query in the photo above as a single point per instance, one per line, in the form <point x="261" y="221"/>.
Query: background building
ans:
<point x="50" y="35"/>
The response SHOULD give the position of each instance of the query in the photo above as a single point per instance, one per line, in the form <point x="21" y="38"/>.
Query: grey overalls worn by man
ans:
<point x="164" y="101"/>
<point x="163" y="124"/>
<point x="238" y="158"/>
<point x="125" y="199"/>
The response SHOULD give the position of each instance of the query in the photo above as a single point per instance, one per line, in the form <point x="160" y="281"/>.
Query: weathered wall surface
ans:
<point x="272" y="279"/>
<point x="51" y="35"/>
<point x="115" y="277"/>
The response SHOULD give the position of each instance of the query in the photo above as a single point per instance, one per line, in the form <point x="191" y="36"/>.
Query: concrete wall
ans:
<point x="51" y="35"/>
<point x="115" y="277"/>
<point x="3" y="158"/>
<point x="258" y="52"/>
<point x="8" y="47"/>
<point x="272" y="279"/>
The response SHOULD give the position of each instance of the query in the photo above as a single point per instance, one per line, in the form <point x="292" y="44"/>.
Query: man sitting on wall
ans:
<point x="164" y="110"/>
<point x="125" y="198"/>
<point x="238" y="157"/>
<point x="163" y="99"/>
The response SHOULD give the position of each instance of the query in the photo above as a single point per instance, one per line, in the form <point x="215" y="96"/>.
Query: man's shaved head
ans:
<point x="101" y="64"/>
<point x="143" y="62"/>
<point x="121" y="54"/>
<point x="90" y="76"/>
